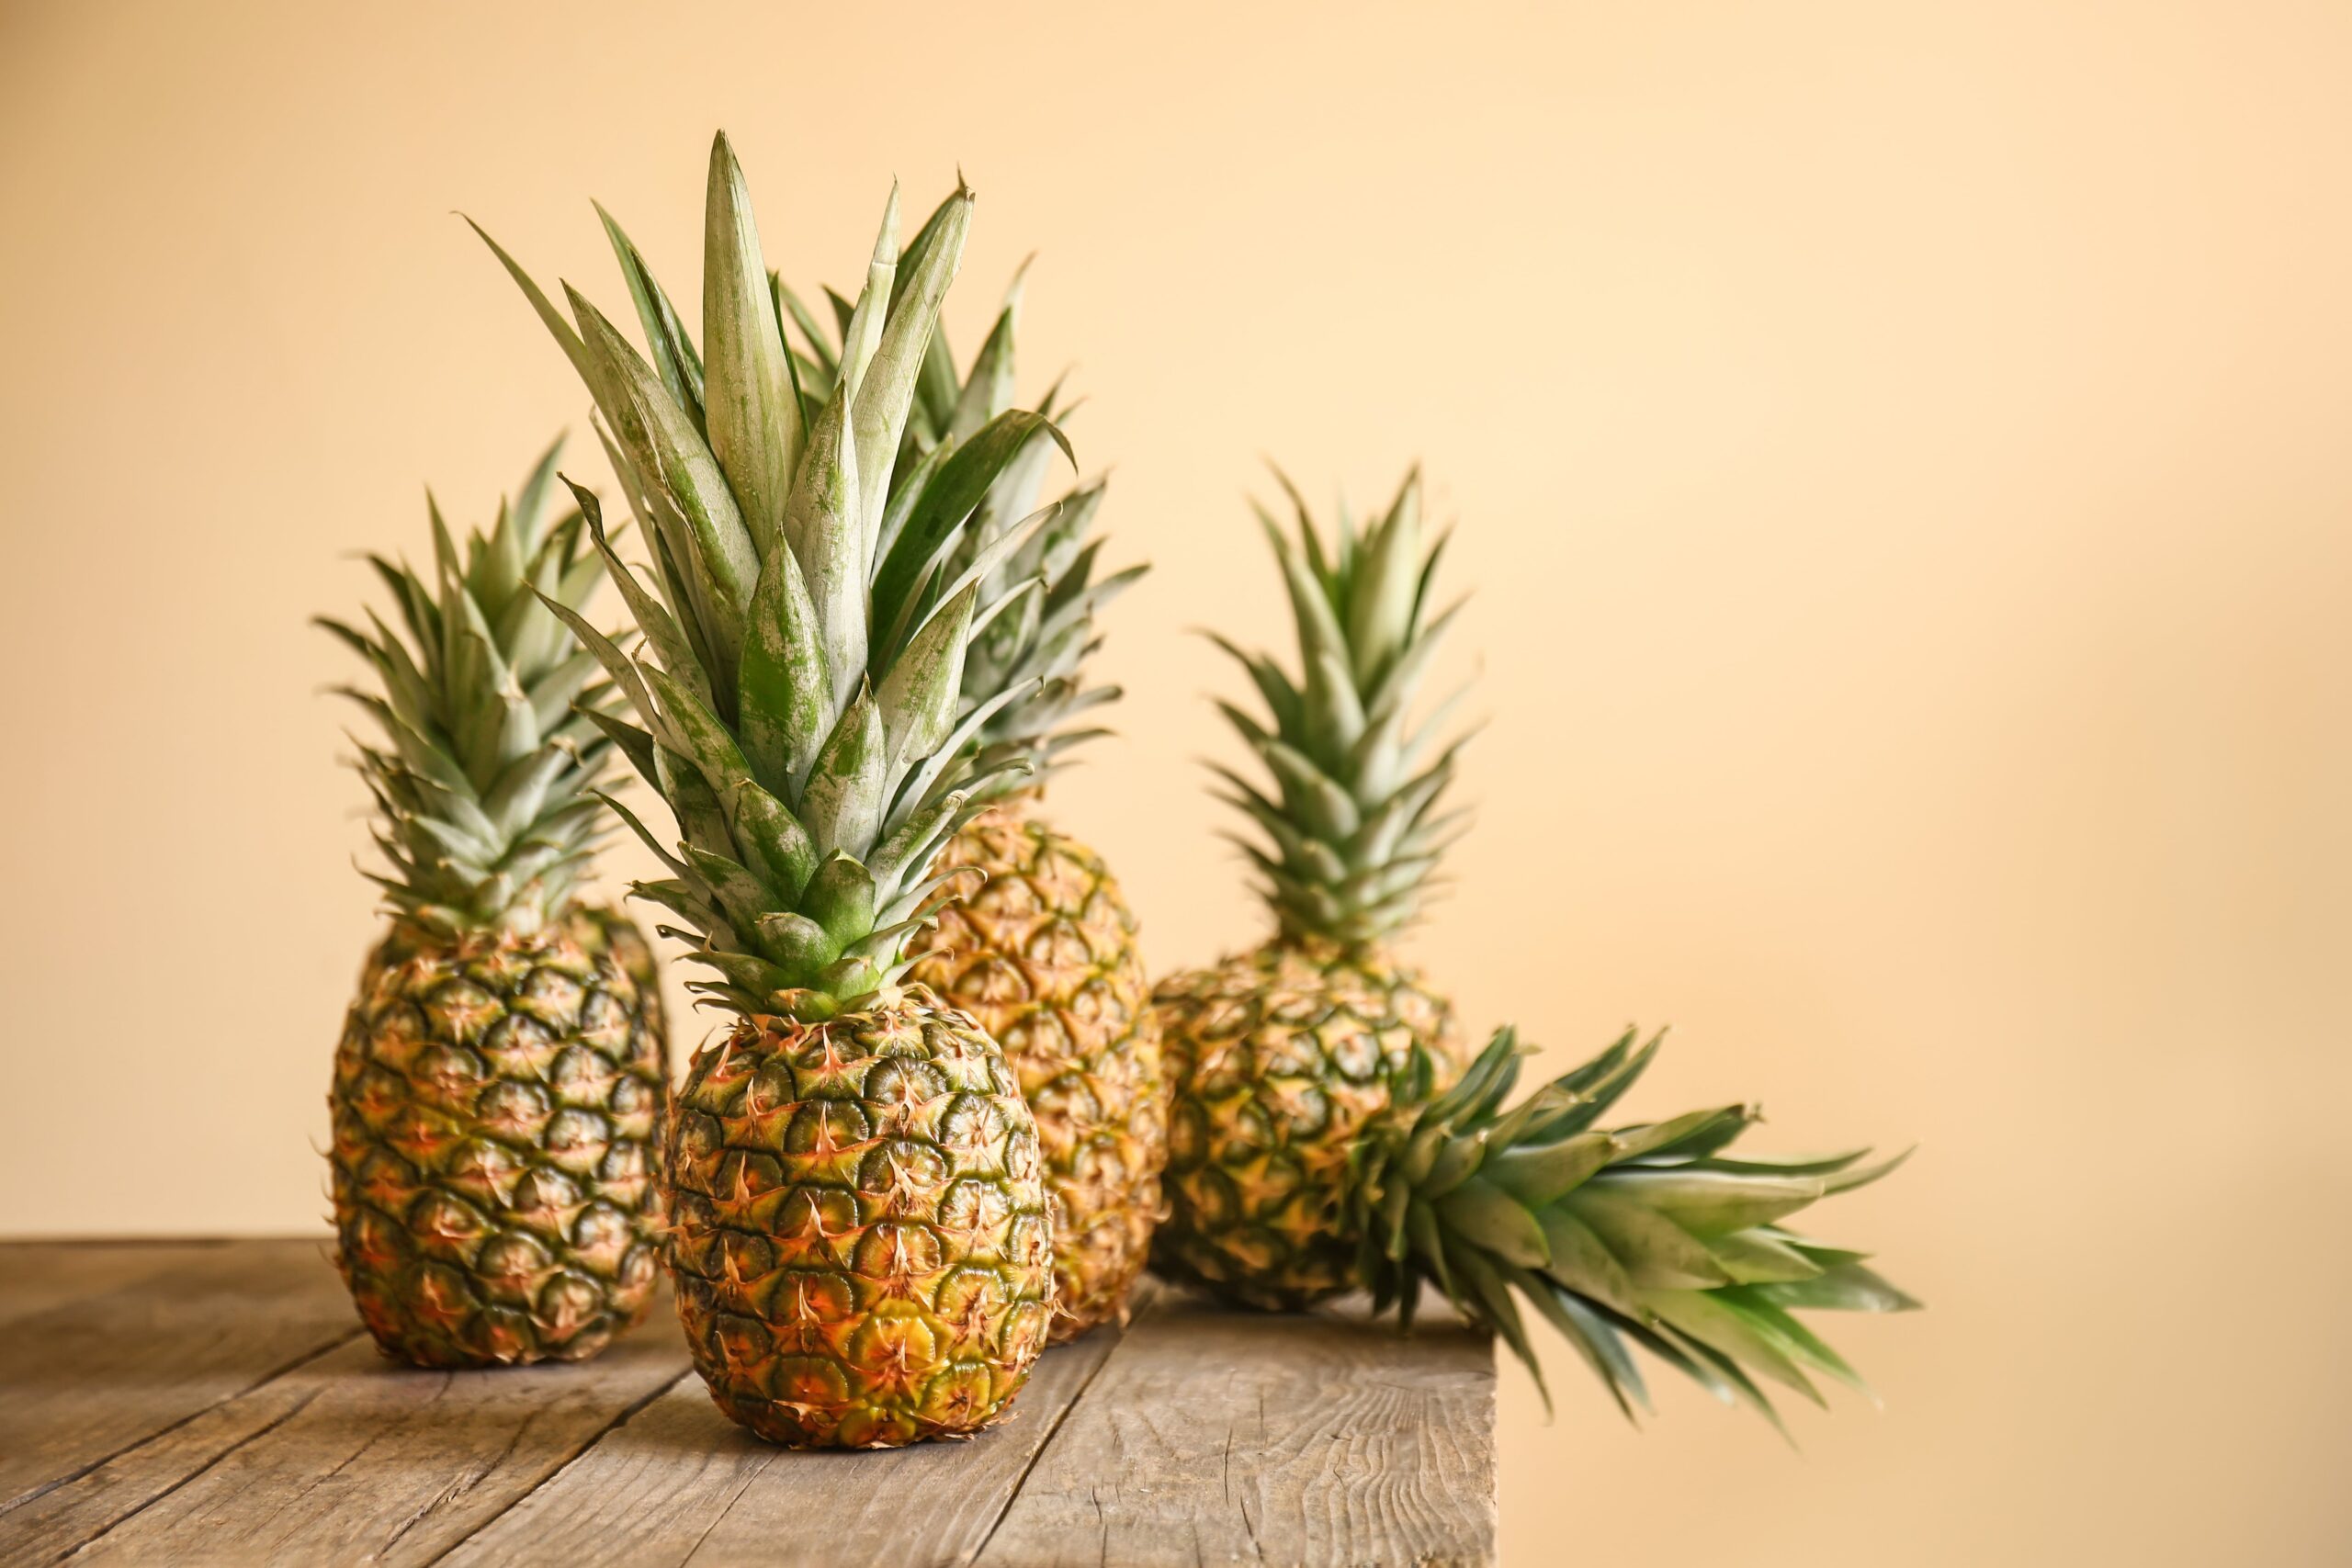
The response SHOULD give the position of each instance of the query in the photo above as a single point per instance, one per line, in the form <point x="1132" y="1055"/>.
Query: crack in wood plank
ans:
<point x="86" y="1380"/>
<point x="255" y="1436"/>
<point x="719" y="1518"/>
<point x="621" y="1419"/>
<point x="1146" y="1292"/>
<point x="1308" y="1440"/>
<point x="346" y="1456"/>
<point x="45" y="1488"/>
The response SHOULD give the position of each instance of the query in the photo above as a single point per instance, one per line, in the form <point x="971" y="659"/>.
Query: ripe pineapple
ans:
<point x="501" y="1071"/>
<point x="862" y="1238"/>
<point x="1282" y="1055"/>
<point x="1043" y="953"/>
<point x="1325" y="1136"/>
<point x="1044" y="956"/>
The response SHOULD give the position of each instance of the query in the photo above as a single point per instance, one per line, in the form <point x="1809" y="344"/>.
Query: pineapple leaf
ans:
<point x="840" y="898"/>
<point x="1758" y="1258"/>
<point x="1654" y="1251"/>
<point x="1380" y="598"/>
<point x="1709" y="1203"/>
<point x="665" y="334"/>
<point x="753" y="415"/>
<point x="653" y="617"/>
<point x="1709" y="1318"/>
<point x="820" y="525"/>
<point x="1484" y="1215"/>
<point x="1693" y="1135"/>
<point x="887" y="387"/>
<point x="946" y="501"/>
<point x="785" y="683"/>
<point x="819" y="343"/>
<point x="1536" y="1174"/>
<point x="843" y="804"/>
<point x="1847" y="1181"/>
<point x="1841" y="1287"/>
<point x="861" y="332"/>
<point x="688" y="475"/>
<point x="918" y="696"/>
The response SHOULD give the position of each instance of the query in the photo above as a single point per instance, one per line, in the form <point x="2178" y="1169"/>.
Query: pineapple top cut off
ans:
<point x="1651" y="1234"/>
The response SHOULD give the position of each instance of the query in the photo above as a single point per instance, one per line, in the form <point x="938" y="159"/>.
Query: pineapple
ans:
<point x="1282" y="1055"/>
<point x="862" y="1237"/>
<point x="1327" y="1133"/>
<point x="500" y="1072"/>
<point x="1043" y="952"/>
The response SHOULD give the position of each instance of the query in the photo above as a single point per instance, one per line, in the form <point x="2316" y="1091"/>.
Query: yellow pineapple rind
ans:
<point x="1278" y="1058"/>
<point x="1044" y="956"/>
<point x="862" y="1244"/>
<point x="493" y="1110"/>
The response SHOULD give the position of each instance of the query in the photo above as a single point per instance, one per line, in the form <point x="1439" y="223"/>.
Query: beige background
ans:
<point x="1904" y="453"/>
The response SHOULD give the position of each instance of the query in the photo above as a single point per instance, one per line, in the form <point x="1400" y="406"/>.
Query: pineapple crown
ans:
<point x="1650" y="1234"/>
<point x="483" y="787"/>
<point x="797" y="689"/>
<point x="1037" y="646"/>
<point x="1354" y="827"/>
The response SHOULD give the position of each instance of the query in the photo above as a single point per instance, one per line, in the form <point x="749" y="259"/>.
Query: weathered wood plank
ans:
<point x="48" y="1524"/>
<point x="681" y="1482"/>
<point x="90" y="1376"/>
<point x="38" y="1276"/>
<point x="348" y="1458"/>
<point x="1213" y="1437"/>
<point x="216" y="1403"/>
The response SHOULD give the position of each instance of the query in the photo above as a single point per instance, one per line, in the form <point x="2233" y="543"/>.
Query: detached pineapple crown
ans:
<point x="806" y="631"/>
<point x="1033" y="650"/>
<point x="1352" y="829"/>
<point x="483" y="787"/>
<point x="1649" y="1234"/>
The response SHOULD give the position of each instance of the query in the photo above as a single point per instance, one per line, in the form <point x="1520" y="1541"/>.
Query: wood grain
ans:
<point x="85" y="1378"/>
<point x="47" y="1525"/>
<point x="681" y="1484"/>
<point x="217" y="1404"/>
<point x="36" y="1276"/>
<point x="350" y="1457"/>
<point x="1295" y="1441"/>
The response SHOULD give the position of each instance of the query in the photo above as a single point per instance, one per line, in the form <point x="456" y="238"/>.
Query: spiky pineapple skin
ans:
<point x="861" y="1240"/>
<point x="1044" y="956"/>
<point x="494" y="1108"/>
<point x="1278" y="1058"/>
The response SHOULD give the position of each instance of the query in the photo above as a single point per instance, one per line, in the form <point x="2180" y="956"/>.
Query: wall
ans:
<point x="1901" y="453"/>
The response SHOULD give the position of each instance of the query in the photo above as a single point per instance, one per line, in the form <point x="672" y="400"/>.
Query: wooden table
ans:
<point x="215" y="1401"/>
